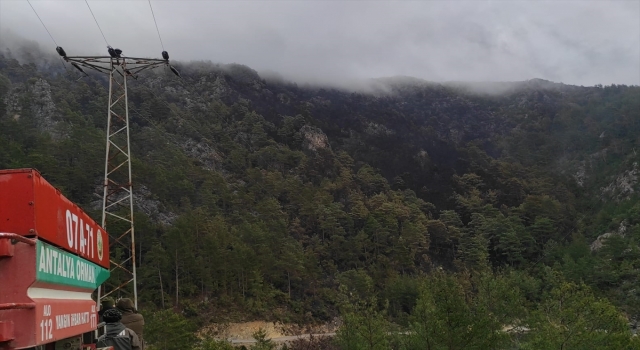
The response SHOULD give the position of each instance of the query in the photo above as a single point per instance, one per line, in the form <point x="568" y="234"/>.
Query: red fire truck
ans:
<point x="53" y="256"/>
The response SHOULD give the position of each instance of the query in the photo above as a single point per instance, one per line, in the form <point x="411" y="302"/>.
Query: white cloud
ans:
<point x="575" y="42"/>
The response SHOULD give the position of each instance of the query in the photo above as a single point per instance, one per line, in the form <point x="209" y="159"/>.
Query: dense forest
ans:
<point x="421" y="215"/>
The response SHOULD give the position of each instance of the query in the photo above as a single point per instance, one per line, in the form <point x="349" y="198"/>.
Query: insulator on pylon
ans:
<point x="112" y="52"/>
<point x="175" y="71"/>
<point x="61" y="51"/>
<point x="118" y="52"/>
<point x="165" y="55"/>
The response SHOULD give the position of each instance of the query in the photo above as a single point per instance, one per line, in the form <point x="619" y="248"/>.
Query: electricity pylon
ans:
<point x="117" y="200"/>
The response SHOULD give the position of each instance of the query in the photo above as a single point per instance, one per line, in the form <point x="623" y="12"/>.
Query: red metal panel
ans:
<point x="30" y="206"/>
<point x="16" y="191"/>
<point x="40" y="313"/>
<point x="16" y="275"/>
<point x="6" y="331"/>
<point x="6" y="248"/>
<point x="58" y="319"/>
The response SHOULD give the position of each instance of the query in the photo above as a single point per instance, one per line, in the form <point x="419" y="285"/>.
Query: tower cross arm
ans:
<point x="104" y="64"/>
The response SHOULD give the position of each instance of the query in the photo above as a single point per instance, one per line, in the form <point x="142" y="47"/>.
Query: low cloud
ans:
<point x="338" y="42"/>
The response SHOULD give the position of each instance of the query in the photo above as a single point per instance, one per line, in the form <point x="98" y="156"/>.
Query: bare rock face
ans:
<point x="219" y="87"/>
<point x="144" y="201"/>
<point x="374" y="129"/>
<point x="597" y="244"/>
<point x="42" y="107"/>
<point x="201" y="151"/>
<point x="13" y="107"/>
<point x="584" y="170"/>
<point x="581" y="174"/>
<point x="422" y="158"/>
<point x="314" y="138"/>
<point x="622" y="186"/>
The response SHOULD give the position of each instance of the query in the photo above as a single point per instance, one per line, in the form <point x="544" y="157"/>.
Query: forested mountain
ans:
<point x="261" y="198"/>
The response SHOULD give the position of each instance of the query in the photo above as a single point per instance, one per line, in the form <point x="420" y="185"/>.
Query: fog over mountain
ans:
<point x="582" y="43"/>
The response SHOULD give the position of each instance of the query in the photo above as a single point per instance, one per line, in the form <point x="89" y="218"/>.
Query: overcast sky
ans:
<point x="576" y="42"/>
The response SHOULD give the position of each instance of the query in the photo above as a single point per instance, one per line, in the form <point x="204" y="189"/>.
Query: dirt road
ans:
<point x="280" y="340"/>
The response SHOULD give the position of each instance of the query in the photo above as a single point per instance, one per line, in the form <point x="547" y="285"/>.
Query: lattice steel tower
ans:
<point x="117" y="201"/>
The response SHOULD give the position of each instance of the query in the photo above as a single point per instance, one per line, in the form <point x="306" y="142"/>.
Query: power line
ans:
<point x="94" y="18"/>
<point x="154" y="21"/>
<point x="48" y="32"/>
<point x="45" y="27"/>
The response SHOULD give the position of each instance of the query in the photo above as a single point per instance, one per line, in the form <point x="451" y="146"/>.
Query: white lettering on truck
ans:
<point x="79" y="235"/>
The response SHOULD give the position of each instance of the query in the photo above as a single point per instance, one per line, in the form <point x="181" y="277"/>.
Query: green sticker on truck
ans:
<point x="57" y="266"/>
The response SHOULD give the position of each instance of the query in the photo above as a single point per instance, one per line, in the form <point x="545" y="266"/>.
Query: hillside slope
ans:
<point x="263" y="196"/>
